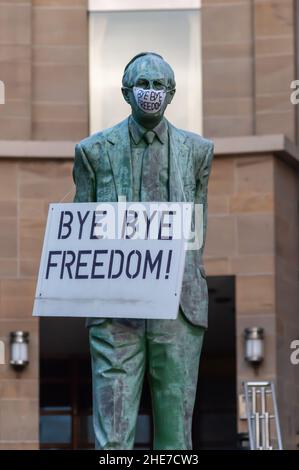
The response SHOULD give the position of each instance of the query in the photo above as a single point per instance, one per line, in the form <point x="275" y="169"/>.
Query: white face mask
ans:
<point x="149" y="100"/>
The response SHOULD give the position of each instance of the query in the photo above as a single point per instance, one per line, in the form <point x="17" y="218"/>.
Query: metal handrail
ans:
<point x="259" y="418"/>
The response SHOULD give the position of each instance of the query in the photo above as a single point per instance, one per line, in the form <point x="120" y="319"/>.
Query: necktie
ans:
<point x="149" y="137"/>
<point x="150" y="184"/>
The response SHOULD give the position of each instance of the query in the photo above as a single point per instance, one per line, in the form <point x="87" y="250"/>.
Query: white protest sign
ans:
<point x="120" y="260"/>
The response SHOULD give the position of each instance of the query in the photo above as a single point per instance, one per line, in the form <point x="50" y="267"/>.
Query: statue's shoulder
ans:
<point x="194" y="140"/>
<point x="101" y="137"/>
<point x="199" y="141"/>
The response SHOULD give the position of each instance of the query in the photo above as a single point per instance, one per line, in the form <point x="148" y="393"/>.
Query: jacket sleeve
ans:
<point x="84" y="177"/>
<point x="202" y="180"/>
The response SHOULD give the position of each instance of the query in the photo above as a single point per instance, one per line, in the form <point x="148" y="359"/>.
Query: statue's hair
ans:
<point x="127" y="80"/>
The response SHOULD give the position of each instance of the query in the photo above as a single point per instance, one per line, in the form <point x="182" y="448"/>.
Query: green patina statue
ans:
<point x="146" y="158"/>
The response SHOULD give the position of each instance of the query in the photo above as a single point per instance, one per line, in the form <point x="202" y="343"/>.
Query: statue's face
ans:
<point x="149" y="94"/>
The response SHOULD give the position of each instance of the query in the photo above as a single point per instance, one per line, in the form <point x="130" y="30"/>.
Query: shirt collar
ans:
<point x="137" y="131"/>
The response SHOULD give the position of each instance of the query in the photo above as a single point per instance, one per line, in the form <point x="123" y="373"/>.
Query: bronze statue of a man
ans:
<point x="146" y="158"/>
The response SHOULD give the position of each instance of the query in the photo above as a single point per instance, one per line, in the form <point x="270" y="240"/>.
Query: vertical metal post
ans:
<point x="259" y="397"/>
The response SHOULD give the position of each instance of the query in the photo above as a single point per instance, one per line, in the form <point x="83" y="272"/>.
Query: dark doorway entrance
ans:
<point x="65" y="385"/>
<point x="65" y="381"/>
<point x="215" y="414"/>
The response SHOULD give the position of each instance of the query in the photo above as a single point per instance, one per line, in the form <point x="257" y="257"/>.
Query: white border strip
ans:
<point x="139" y="5"/>
<point x="36" y="149"/>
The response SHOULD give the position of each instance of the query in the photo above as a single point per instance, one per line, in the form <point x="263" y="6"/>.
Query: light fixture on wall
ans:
<point x="19" y="341"/>
<point x="254" y="344"/>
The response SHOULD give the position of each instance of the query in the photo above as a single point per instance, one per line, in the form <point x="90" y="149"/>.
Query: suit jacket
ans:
<point x="103" y="173"/>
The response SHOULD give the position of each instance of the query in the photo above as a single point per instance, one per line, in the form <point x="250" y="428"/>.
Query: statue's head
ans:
<point x="148" y="85"/>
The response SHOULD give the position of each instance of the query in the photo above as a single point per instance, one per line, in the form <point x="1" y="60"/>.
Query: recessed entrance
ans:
<point x="65" y="381"/>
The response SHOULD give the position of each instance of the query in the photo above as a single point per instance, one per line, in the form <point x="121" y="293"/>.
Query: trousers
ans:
<point x="122" y="351"/>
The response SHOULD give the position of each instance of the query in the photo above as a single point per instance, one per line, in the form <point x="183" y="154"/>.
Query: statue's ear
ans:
<point x="170" y="95"/>
<point x="125" y="93"/>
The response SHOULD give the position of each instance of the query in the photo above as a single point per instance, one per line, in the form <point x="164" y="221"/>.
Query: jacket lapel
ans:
<point x="179" y="157"/>
<point x="119" y="153"/>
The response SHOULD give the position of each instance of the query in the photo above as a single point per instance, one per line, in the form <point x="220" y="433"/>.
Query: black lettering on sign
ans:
<point x="96" y="263"/>
<point x="168" y="264"/>
<point x="67" y="263"/>
<point x="149" y="263"/>
<point x="81" y="264"/>
<point x="148" y="220"/>
<point x="95" y="224"/>
<point x="66" y="224"/>
<point x="130" y="223"/>
<point x="51" y="264"/>
<point x="128" y="265"/>
<point x="165" y="225"/>
<point x="82" y="221"/>
<point x="106" y="264"/>
<point x="121" y="264"/>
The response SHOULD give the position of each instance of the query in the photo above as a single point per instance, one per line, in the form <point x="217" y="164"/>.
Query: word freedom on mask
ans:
<point x="150" y="101"/>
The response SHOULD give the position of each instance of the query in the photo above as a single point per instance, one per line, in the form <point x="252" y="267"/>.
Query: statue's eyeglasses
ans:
<point x="150" y="84"/>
